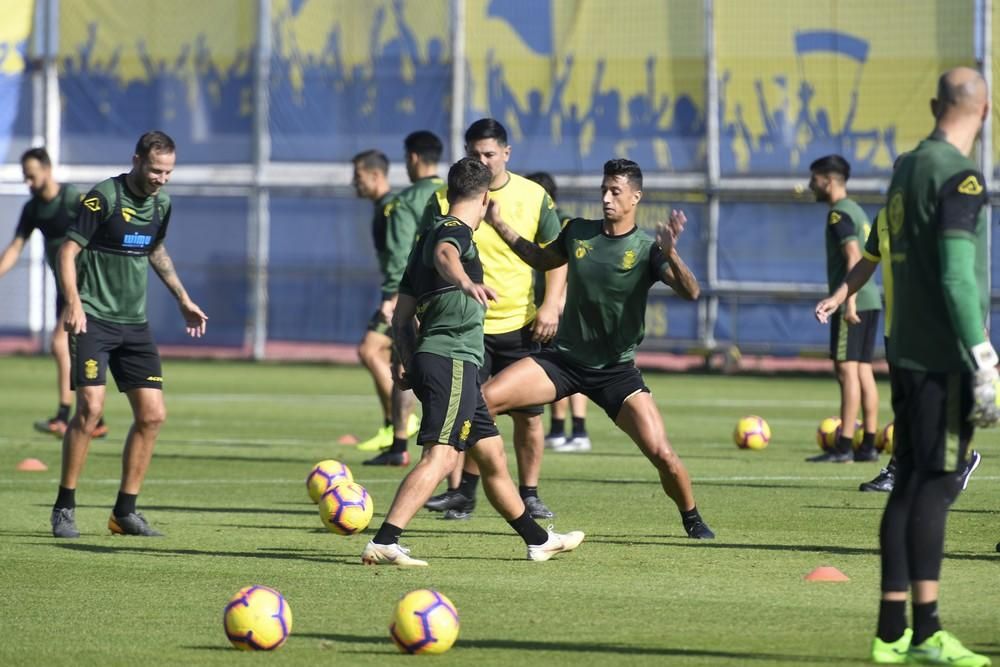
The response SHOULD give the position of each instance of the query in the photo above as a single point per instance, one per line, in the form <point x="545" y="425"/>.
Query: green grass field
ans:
<point x="226" y="486"/>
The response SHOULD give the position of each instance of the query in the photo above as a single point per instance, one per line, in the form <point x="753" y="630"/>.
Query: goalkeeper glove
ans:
<point x="985" y="387"/>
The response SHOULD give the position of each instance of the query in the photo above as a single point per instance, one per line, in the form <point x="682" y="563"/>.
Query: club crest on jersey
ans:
<point x="628" y="259"/>
<point x="970" y="186"/>
<point x="582" y="248"/>
<point x="128" y="213"/>
<point x="92" y="204"/>
<point x="466" y="429"/>
<point x="834" y="217"/>
<point x="90" y="369"/>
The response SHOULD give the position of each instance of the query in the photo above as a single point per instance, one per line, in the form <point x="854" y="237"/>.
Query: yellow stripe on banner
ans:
<point x="953" y="421"/>
<point x="842" y="338"/>
<point x="453" y="401"/>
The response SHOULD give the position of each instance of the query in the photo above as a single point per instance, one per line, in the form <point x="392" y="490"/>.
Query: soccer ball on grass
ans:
<point x="257" y="618"/>
<point x="346" y="508"/>
<point x="752" y="433"/>
<point x="324" y="475"/>
<point x="425" y="621"/>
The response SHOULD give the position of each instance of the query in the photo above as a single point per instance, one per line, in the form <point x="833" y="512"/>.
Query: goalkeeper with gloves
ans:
<point x="944" y="377"/>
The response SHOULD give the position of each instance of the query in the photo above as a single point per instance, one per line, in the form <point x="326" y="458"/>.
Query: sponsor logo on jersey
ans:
<point x="628" y="259"/>
<point x="466" y="429"/>
<point x="136" y="240"/>
<point x="970" y="186"/>
<point x="128" y="213"/>
<point x="154" y="378"/>
<point x="90" y="369"/>
<point x="895" y="213"/>
<point x="834" y="217"/>
<point x="389" y="208"/>
<point x="93" y="204"/>
<point x="452" y="223"/>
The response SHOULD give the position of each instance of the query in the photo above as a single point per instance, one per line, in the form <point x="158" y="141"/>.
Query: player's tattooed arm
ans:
<point x="535" y="256"/>
<point x="195" y="319"/>
<point x="676" y="273"/>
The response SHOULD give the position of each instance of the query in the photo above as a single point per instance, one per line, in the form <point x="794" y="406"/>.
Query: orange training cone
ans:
<point x="826" y="573"/>
<point x="32" y="465"/>
<point x="347" y="439"/>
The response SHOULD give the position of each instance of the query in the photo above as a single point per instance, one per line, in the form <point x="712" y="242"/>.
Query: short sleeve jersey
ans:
<point x="118" y="230"/>
<point x="936" y="192"/>
<point x="877" y="250"/>
<point x="528" y="209"/>
<point x="606" y="289"/>
<point x="380" y="232"/>
<point x="51" y="218"/>
<point x="403" y="215"/>
<point x="451" y="322"/>
<point x="847" y="222"/>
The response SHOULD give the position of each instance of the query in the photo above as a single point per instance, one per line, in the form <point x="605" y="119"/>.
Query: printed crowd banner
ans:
<point x="15" y="83"/>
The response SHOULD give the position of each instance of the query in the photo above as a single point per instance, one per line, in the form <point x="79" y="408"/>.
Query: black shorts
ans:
<point x="503" y="350"/>
<point x="854" y="342"/>
<point x="608" y="387"/>
<point x="127" y="349"/>
<point x="454" y="411"/>
<point x="378" y="324"/>
<point x="932" y="430"/>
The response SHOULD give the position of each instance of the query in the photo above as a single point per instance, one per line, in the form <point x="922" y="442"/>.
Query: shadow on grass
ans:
<point x="316" y="557"/>
<point x="590" y="647"/>
<point x="224" y="459"/>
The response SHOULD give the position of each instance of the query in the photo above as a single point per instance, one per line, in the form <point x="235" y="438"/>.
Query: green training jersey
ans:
<point x="936" y="197"/>
<point x="451" y="322"/>
<point x="606" y="288"/>
<point x="51" y="218"/>
<point x="877" y="250"/>
<point x="117" y="229"/>
<point x="847" y="222"/>
<point x="403" y="216"/>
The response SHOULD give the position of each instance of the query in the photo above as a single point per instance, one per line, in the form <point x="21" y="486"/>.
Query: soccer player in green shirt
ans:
<point x="440" y="358"/>
<point x="103" y="268"/>
<point x="51" y="210"/>
<point x="852" y="332"/>
<point x="612" y="266"/>
<point x="422" y="151"/>
<point x="944" y="376"/>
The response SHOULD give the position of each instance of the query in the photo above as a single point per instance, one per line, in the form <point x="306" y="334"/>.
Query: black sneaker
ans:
<point x="537" y="509"/>
<point x="132" y="524"/>
<point x="459" y="512"/>
<point x="699" y="530"/>
<point x="884" y="482"/>
<point x="64" y="522"/>
<point x="832" y="457"/>
<point x="446" y="501"/>
<point x="975" y="458"/>
<point x="390" y="459"/>
<point x="865" y="454"/>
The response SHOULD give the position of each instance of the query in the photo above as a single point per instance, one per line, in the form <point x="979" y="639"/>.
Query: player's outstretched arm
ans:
<point x="535" y="256"/>
<point x="76" y="319"/>
<point x="448" y="263"/>
<point x="676" y="274"/>
<point x="856" y="278"/>
<point x="10" y="254"/>
<point x="195" y="319"/>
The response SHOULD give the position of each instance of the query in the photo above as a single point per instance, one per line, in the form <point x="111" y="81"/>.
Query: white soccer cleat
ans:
<point x="580" y="443"/>
<point x="555" y="441"/>
<point x="556" y="544"/>
<point x="389" y="554"/>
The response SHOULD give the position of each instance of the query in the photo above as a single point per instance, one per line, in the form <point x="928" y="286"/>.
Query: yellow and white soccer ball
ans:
<point x="425" y="621"/>
<point x="752" y="432"/>
<point x="884" y="440"/>
<point x="324" y="475"/>
<point x="346" y="508"/>
<point x="257" y="618"/>
<point x="828" y="433"/>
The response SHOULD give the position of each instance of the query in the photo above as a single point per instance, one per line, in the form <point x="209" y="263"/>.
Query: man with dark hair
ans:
<point x="51" y="210"/>
<point x="852" y="332"/>
<point x="612" y="266"/>
<point x="371" y="181"/>
<point x="443" y="287"/>
<point x="944" y="376"/>
<point x="422" y="151"/>
<point x="514" y="327"/>
<point x="556" y="438"/>
<point x="103" y="267"/>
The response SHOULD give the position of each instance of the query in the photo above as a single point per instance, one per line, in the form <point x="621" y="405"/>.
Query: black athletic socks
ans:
<point x="469" y="485"/>
<point x="387" y="534"/>
<point x="398" y="446"/>
<point x="579" y="426"/>
<point x="62" y="414"/>
<point x="528" y="491"/>
<point x="925" y="621"/>
<point x="125" y="504"/>
<point x="845" y="444"/>
<point x="891" y="620"/>
<point x="66" y="499"/>
<point x="529" y="530"/>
